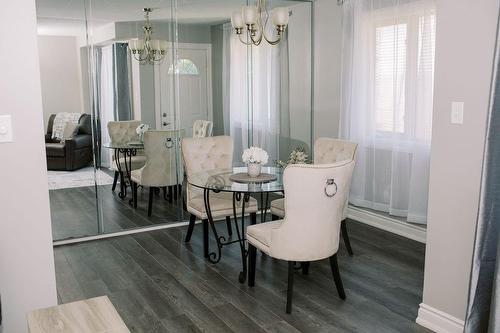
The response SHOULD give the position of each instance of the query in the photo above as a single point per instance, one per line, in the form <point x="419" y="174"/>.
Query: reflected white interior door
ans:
<point x="195" y="88"/>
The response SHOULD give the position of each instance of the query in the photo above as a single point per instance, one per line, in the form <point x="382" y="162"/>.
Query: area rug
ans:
<point x="79" y="178"/>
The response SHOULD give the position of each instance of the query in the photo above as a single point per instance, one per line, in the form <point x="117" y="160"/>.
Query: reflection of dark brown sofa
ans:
<point x="74" y="153"/>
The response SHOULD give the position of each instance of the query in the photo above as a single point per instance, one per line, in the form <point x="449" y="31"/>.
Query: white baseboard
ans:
<point x="395" y="226"/>
<point x="438" y="321"/>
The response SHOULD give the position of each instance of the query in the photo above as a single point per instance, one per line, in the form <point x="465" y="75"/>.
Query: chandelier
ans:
<point x="147" y="50"/>
<point x="255" y="19"/>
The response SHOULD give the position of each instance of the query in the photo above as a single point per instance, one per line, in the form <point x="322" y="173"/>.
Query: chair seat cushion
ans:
<point x="55" y="149"/>
<point x="136" y="176"/>
<point x="262" y="232"/>
<point x="278" y="207"/>
<point x="137" y="162"/>
<point x="221" y="205"/>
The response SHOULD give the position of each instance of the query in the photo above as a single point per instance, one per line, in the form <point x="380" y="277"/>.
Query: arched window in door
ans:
<point x="184" y="67"/>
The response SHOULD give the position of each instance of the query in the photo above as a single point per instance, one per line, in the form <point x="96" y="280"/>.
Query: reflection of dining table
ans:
<point x="222" y="180"/>
<point x="127" y="150"/>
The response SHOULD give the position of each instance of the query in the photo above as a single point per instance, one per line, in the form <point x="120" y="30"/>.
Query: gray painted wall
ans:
<point x="461" y="74"/>
<point x="60" y="75"/>
<point x="327" y="68"/>
<point x="27" y="276"/>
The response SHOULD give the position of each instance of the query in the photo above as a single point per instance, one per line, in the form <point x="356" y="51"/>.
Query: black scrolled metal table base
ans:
<point x="127" y="153"/>
<point x="214" y="257"/>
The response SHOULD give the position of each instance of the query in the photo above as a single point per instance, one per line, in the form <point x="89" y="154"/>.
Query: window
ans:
<point x="390" y="71"/>
<point x="404" y="62"/>
<point x="184" y="67"/>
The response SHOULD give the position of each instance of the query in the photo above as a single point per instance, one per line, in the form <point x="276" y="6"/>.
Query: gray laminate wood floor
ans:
<point x="160" y="284"/>
<point x="74" y="211"/>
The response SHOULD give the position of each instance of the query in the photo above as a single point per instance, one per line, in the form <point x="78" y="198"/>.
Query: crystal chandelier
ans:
<point x="147" y="50"/>
<point x="255" y="19"/>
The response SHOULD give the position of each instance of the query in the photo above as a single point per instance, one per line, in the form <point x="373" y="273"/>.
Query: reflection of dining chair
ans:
<point x="315" y="199"/>
<point x="326" y="150"/>
<point x="202" y="128"/>
<point x="160" y="168"/>
<point x="123" y="132"/>
<point x="205" y="154"/>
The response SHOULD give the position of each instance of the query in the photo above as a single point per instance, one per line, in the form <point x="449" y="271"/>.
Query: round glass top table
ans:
<point x="128" y="150"/>
<point x="220" y="180"/>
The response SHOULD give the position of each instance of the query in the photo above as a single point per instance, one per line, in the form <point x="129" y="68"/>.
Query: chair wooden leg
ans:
<point x="228" y="224"/>
<point x="343" y="227"/>
<point x="192" y="220"/>
<point x="122" y="182"/>
<point x="170" y="194"/>
<point x="115" y="180"/>
<point x="150" y="204"/>
<point x="305" y="267"/>
<point x="253" y="218"/>
<point x="175" y="192"/>
<point x="205" y="238"/>
<point x="336" y="276"/>
<point x="134" y="194"/>
<point x="252" y="257"/>
<point x="289" y="292"/>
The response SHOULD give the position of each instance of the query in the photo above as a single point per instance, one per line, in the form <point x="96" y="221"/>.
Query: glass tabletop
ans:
<point x="219" y="180"/>
<point x="128" y="145"/>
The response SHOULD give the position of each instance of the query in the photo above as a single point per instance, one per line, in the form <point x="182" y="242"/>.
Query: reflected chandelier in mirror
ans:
<point x="148" y="50"/>
<point x="255" y="18"/>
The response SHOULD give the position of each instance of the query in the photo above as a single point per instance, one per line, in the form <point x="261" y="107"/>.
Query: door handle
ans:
<point x="164" y="114"/>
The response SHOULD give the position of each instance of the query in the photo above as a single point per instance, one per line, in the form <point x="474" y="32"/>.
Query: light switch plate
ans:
<point x="6" y="128"/>
<point x="457" y="113"/>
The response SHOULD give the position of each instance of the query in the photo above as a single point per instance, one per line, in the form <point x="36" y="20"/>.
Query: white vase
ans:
<point x="253" y="169"/>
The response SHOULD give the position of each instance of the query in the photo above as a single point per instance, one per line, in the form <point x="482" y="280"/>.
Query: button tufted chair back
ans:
<point x="328" y="150"/>
<point x="202" y="154"/>
<point x="121" y="132"/>
<point x="202" y="128"/>
<point x="307" y="203"/>
<point x="160" y="150"/>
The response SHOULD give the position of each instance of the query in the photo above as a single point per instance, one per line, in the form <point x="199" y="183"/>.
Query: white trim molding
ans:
<point x="389" y="224"/>
<point x="438" y="321"/>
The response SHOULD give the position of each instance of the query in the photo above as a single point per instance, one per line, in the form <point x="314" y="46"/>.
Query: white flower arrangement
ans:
<point x="297" y="156"/>
<point x="255" y="155"/>
<point x="141" y="129"/>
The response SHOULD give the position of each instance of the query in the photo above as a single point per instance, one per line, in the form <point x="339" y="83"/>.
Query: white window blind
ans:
<point x="404" y="46"/>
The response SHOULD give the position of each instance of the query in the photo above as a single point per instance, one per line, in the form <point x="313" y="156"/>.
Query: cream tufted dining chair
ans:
<point x="122" y="132"/>
<point x="203" y="154"/>
<point x="160" y="168"/>
<point x="326" y="150"/>
<point x="202" y="128"/>
<point x="315" y="199"/>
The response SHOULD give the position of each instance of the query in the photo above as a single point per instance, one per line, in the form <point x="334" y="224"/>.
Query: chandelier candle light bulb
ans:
<point x="280" y="16"/>
<point x="250" y="14"/>
<point x="237" y="20"/>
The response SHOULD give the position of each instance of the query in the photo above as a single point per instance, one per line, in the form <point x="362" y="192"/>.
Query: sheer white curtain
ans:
<point x="387" y="89"/>
<point x="235" y="89"/>
<point x="253" y="91"/>
<point x="106" y="99"/>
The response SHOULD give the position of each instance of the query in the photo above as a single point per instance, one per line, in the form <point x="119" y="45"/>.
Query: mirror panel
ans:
<point x="259" y="95"/>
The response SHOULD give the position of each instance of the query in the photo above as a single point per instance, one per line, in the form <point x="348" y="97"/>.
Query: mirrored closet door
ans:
<point x="135" y="77"/>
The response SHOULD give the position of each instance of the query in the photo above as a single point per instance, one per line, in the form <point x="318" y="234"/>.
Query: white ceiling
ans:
<point x="67" y="17"/>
